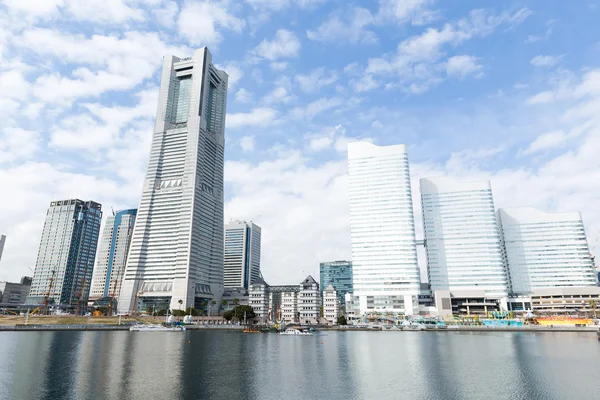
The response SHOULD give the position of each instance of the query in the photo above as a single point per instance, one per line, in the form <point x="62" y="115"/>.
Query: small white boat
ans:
<point x="293" y="331"/>
<point x="156" y="328"/>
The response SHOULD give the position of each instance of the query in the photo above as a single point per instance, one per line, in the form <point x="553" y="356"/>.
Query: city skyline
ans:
<point x="501" y="93"/>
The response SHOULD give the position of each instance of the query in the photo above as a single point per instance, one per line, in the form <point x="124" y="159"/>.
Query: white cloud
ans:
<point x="167" y="14"/>
<point x="103" y="11"/>
<point x="284" y="45"/>
<point x="462" y="66"/>
<point x="350" y="27"/>
<point x="547" y="141"/>
<point x="545" y="61"/>
<point x="537" y="38"/>
<point x="316" y="79"/>
<point x="243" y="96"/>
<point x="364" y="84"/>
<point x="200" y="21"/>
<point x="13" y="85"/>
<point x="235" y="73"/>
<point x="34" y="8"/>
<point x="247" y="144"/>
<point x="316" y="107"/>
<point x="257" y="117"/>
<point x="279" y="66"/>
<point x="17" y="144"/>
<point x="277" y="5"/>
<point x="415" y="11"/>
<point x="279" y="95"/>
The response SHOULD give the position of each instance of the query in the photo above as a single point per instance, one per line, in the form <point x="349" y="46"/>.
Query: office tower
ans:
<point x="2" y="241"/>
<point x="14" y="293"/>
<point x="462" y="240"/>
<point x="177" y="246"/>
<point x="337" y="274"/>
<point x="65" y="261"/>
<point x="545" y="250"/>
<point x="242" y="254"/>
<point x="112" y="254"/>
<point x="384" y="252"/>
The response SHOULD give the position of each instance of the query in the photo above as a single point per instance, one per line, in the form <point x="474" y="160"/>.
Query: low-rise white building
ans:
<point x="286" y="303"/>
<point x="331" y="304"/>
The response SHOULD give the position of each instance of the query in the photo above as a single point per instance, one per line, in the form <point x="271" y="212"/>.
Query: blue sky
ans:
<point x="506" y="91"/>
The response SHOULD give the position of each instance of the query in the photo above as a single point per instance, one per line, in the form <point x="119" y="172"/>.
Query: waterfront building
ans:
<point x="351" y="309"/>
<point x="112" y="255"/>
<point x="65" y="261"/>
<point x="177" y="246"/>
<point x="286" y="303"/>
<point x="14" y="293"/>
<point x="337" y="274"/>
<point x="331" y="304"/>
<point x="467" y="302"/>
<point x="235" y="297"/>
<point x="386" y="276"/>
<point x="2" y="241"/>
<point x="462" y="240"/>
<point x="545" y="250"/>
<point x="242" y="254"/>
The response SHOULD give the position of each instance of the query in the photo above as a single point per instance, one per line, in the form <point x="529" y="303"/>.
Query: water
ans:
<point x="334" y="365"/>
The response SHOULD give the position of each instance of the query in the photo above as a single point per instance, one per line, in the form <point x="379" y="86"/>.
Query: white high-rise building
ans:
<point x="242" y="254"/>
<point x="177" y="246"/>
<point x="384" y="252"/>
<point x="65" y="261"/>
<point x="464" y="250"/>
<point x="112" y="255"/>
<point x="545" y="250"/>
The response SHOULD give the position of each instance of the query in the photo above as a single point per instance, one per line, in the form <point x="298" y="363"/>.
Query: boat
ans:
<point x="156" y="328"/>
<point x="293" y="331"/>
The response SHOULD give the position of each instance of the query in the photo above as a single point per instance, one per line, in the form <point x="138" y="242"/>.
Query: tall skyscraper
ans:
<point x="177" y="246"/>
<point x="63" y="270"/>
<point x="337" y="274"/>
<point x="464" y="250"/>
<point x="384" y="252"/>
<point x="112" y="254"/>
<point x="2" y="241"/>
<point x="545" y="250"/>
<point x="242" y="254"/>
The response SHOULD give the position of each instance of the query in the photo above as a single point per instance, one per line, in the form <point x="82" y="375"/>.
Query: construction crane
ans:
<point x="48" y="294"/>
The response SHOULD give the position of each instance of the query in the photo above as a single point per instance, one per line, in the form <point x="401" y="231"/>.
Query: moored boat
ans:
<point x="156" y="328"/>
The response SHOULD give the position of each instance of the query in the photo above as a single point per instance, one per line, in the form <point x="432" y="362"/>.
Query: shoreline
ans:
<point x="109" y="327"/>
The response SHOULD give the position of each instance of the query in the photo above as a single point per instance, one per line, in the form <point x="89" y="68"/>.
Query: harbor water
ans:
<point x="330" y="365"/>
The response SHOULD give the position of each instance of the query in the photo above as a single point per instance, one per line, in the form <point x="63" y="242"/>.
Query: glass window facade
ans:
<point x="337" y="274"/>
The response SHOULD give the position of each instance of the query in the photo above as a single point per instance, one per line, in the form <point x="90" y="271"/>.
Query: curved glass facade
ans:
<point x="384" y="253"/>
<point x="545" y="250"/>
<point x="464" y="250"/>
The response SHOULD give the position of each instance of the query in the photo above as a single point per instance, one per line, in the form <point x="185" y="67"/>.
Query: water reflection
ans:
<point x="344" y="365"/>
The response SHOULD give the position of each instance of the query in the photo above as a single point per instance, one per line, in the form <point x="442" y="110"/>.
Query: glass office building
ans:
<point x="112" y="254"/>
<point x="337" y="274"/>
<point x="65" y="261"/>
<point x="462" y="241"/>
<point x="386" y="275"/>
<point x="242" y="254"/>
<point x="177" y="246"/>
<point x="545" y="250"/>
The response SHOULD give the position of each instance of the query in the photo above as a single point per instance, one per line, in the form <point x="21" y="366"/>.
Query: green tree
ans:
<point x="228" y="315"/>
<point x="238" y="313"/>
<point x="321" y="312"/>
<point x="224" y="304"/>
<point x="341" y="320"/>
<point x="593" y="306"/>
<point x="236" y="302"/>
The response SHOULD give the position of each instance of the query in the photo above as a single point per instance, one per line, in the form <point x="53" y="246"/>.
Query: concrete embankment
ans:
<point x="480" y="329"/>
<point x="105" y="327"/>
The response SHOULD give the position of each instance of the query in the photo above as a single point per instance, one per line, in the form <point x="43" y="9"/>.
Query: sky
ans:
<point x="508" y="93"/>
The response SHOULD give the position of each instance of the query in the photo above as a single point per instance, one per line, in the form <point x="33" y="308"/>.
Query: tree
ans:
<point x="593" y="306"/>
<point x="236" y="302"/>
<point x="224" y="303"/>
<point x="321" y="312"/>
<point x="341" y="320"/>
<point x="228" y="315"/>
<point x="180" y="304"/>
<point x="239" y="311"/>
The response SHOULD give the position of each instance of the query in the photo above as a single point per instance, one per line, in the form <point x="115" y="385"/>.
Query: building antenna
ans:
<point x="113" y="210"/>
